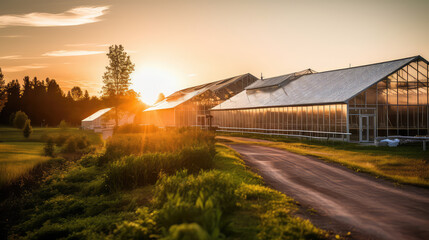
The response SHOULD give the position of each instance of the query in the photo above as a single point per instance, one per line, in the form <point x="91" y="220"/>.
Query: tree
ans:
<point x="28" y="130"/>
<point x="160" y="98"/>
<point x="3" y="96"/>
<point x="76" y="93"/>
<point x="86" y="95"/>
<point x="20" y="119"/>
<point x="117" y="77"/>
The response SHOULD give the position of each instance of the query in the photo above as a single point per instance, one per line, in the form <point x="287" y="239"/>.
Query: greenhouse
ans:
<point x="190" y="106"/>
<point x="352" y="104"/>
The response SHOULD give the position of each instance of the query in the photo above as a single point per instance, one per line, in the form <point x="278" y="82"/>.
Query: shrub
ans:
<point x="28" y="130"/>
<point x="76" y="144"/>
<point x="187" y="231"/>
<point x="220" y="186"/>
<point x="49" y="147"/>
<point x="63" y="125"/>
<point x="20" y="119"/>
<point x="61" y="139"/>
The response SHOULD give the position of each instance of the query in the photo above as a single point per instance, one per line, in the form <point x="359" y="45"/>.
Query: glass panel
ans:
<point x="382" y="92"/>
<point x="360" y="99"/>
<point x="364" y="128"/>
<point x="371" y="95"/>
<point x="393" y="89"/>
<point x="392" y="117"/>
<point x="402" y="87"/>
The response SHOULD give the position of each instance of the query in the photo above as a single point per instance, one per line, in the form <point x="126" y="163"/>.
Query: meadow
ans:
<point x="406" y="164"/>
<point x="168" y="184"/>
<point x="18" y="155"/>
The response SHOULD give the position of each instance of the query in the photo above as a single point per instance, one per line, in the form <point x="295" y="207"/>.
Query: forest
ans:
<point x="46" y="104"/>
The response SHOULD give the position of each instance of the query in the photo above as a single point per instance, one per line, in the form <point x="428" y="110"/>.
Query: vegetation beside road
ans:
<point x="198" y="190"/>
<point x="406" y="164"/>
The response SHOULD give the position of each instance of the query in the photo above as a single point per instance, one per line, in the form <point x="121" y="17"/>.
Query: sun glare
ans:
<point x="151" y="81"/>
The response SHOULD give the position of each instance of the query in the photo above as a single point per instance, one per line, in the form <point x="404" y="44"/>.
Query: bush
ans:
<point x="76" y="144"/>
<point x="63" y="125"/>
<point x="20" y="119"/>
<point x="220" y="186"/>
<point x="187" y="231"/>
<point x="28" y="130"/>
<point x="49" y="147"/>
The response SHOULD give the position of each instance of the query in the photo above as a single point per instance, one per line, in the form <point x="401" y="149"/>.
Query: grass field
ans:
<point x="226" y="201"/>
<point x="18" y="154"/>
<point x="407" y="164"/>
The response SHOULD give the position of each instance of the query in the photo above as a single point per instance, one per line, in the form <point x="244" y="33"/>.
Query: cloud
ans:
<point x="11" y="57"/>
<point x="72" y="17"/>
<point x="86" y="44"/>
<point x="23" y="68"/>
<point x="69" y="53"/>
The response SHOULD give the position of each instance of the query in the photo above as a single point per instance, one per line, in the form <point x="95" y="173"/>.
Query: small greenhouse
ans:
<point x="190" y="106"/>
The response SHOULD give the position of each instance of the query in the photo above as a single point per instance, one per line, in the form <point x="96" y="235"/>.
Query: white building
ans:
<point x="100" y="120"/>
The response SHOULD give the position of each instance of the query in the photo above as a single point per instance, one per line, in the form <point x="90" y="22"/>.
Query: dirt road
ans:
<point x="370" y="208"/>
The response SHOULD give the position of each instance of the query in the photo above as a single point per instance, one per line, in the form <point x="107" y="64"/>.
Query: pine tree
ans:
<point x="28" y="130"/>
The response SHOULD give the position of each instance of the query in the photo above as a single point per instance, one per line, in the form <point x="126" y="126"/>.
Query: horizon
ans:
<point x="179" y="45"/>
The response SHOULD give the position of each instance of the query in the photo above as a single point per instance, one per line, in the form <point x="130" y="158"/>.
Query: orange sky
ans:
<point x="176" y="44"/>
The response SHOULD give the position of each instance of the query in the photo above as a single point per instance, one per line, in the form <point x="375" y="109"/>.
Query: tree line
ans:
<point x="46" y="104"/>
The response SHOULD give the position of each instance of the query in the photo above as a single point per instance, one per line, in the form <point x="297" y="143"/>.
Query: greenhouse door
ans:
<point x="366" y="128"/>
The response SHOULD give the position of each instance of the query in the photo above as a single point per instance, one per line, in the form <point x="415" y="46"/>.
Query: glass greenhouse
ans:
<point x="352" y="104"/>
<point x="190" y="106"/>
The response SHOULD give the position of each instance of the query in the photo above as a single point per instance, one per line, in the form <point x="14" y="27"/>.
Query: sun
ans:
<point x="149" y="81"/>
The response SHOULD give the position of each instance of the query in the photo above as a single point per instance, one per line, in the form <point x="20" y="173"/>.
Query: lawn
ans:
<point x="18" y="154"/>
<point x="407" y="164"/>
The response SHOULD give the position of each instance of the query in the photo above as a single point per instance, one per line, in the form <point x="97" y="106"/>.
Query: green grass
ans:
<point x="18" y="155"/>
<point x="228" y="200"/>
<point x="18" y="158"/>
<point x="407" y="164"/>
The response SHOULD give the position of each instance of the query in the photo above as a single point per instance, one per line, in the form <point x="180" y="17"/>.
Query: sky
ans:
<point x="178" y="44"/>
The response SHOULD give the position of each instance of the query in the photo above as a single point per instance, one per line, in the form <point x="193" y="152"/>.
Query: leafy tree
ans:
<point x="117" y="77"/>
<point x="76" y="93"/>
<point x="3" y="96"/>
<point x="28" y="130"/>
<point x="160" y="98"/>
<point x="20" y="119"/>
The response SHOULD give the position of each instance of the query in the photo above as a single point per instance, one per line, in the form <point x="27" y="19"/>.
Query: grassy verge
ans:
<point x="406" y="164"/>
<point x="263" y="213"/>
<point x="225" y="201"/>
<point x="19" y="155"/>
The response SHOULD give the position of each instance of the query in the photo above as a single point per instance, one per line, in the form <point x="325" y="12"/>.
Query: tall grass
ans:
<point x="171" y="140"/>
<point x="134" y="171"/>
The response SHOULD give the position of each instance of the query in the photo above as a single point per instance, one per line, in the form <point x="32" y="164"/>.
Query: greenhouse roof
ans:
<point x="96" y="115"/>
<point x="336" y="86"/>
<point x="186" y="94"/>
